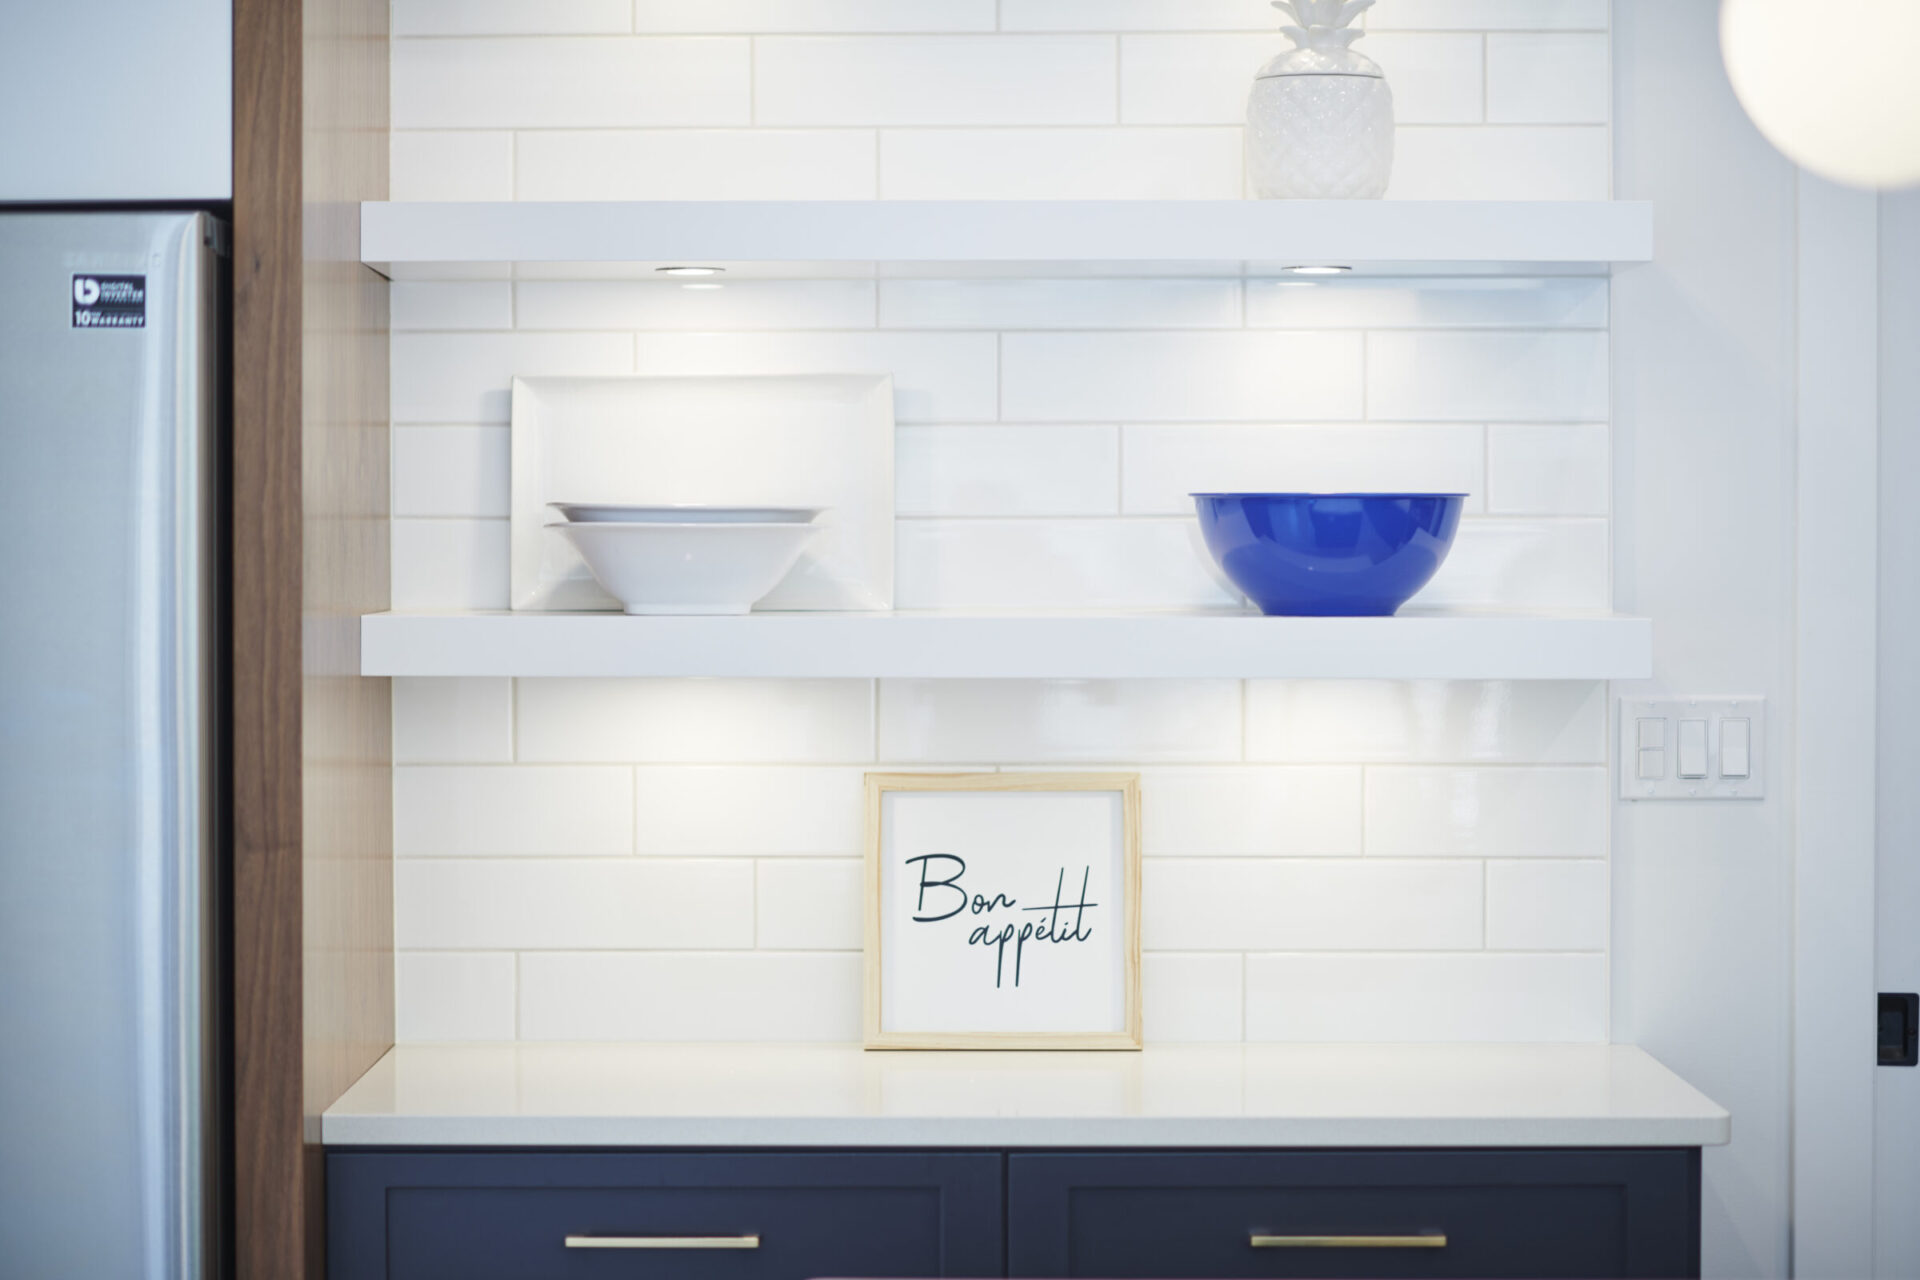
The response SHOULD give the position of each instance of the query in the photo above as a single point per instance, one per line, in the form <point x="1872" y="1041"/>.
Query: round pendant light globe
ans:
<point x="1831" y="84"/>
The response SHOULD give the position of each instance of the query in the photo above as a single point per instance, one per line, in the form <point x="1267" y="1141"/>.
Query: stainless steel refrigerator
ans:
<point x="110" y="775"/>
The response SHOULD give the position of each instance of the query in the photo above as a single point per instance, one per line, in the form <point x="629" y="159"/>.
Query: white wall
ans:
<point x="1704" y="353"/>
<point x="644" y="859"/>
<point x="1897" y="881"/>
<point x="105" y="100"/>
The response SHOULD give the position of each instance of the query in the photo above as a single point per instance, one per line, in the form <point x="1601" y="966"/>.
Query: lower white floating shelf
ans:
<point x="1450" y="645"/>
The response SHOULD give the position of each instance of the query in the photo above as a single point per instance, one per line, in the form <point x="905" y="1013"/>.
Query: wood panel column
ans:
<point x="312" y="828"/>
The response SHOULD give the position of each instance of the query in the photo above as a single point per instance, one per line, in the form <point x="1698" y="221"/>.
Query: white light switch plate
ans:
<point x="1653" y="772"/>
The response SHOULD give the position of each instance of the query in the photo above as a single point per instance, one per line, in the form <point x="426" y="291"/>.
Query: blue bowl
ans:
<point x="1329" y="554"/>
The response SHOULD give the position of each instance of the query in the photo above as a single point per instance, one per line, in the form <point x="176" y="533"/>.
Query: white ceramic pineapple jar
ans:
<point x="1320" y="117"/>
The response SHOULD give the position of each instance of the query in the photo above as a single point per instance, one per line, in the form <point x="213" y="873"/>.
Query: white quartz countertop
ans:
<point x="760" y="1095"/>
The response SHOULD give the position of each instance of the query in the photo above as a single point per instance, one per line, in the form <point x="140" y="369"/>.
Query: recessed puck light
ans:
<point x="689" y="271"/>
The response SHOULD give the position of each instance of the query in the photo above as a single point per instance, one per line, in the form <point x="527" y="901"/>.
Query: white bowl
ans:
<point x="688" y="568"/>
<point x="604" y="513"/>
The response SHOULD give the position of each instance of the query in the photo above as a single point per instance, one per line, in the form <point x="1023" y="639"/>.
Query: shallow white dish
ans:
<point x="822" y="441"/>
<point x="701" y="568"/>
<point x="684" y="513"/>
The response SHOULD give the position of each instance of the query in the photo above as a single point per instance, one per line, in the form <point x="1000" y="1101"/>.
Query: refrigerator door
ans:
<point x="108" y="778"/>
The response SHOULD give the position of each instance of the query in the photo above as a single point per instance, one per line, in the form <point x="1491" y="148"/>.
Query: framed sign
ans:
<point x="1003" y="911"/>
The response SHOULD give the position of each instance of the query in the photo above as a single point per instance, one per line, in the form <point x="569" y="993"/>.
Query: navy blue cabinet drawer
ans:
<point x="684" y="1216"/>
<point x="1354" y="1213"/>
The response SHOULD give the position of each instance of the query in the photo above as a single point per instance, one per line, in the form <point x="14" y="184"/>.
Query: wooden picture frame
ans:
<point x="1105" y="986"/>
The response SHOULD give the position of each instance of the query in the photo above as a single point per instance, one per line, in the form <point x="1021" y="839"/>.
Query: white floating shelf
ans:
<point x="1389" y="237"/>
<point x="1438" y="645"/>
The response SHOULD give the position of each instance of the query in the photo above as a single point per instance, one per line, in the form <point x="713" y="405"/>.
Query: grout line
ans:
<point x="1486" y="73"/>
<point x="754" y="905"/>
<point x="1243" y="720"/>
<point x="1119" y="70"/>
<point x="753" y="81"/>
<point x="516" y="995"/>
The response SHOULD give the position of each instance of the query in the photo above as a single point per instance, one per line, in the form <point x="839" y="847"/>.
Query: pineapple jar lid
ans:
<point x="1322" y="41"/>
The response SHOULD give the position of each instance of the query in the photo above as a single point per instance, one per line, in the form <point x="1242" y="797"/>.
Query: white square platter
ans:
<point x="797" y="441"/>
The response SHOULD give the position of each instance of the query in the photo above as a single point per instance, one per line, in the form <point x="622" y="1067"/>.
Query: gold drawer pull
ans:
<point x="663" y="1242"/>
<point x="1425" y="1240"/>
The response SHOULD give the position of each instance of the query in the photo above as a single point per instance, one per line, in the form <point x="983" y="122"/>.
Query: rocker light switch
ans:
<point x="1736" y="736"/>
<point x="1692" y="748"/>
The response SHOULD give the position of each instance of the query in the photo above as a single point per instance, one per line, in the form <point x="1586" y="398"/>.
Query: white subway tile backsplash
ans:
<point x="1512" y="162"/>
<point x="679" y="860"/>
<point x="695" y="721"/>
<point x="1477" y="302"/>
<point x="588" y="904"/>
<point x="766" y="996"/>
<point x="697" y="810"/>
<point x="1238" y="811"/>
<point x="452" y="995"/>
<point x="449" y="564"/>
<point x="1006" y="471"/>
<point x="751" y="16"/>
<point x="1547" y="906"/>
<point x="1526" y="564"/>
<point x="1059" y="721"/>
<point x="452" y="304"/>
<point x="696" y="164"/>
<point x="937" y="377"/>
<point x="1553" y="470"/>
<point x="1316" y="904"/>
<point x="1436" y="79"/>
<point x="561" y="82"/>
<point x="1194" y="999"/>
<point x="1166" y="464"/>
<point x="450" y="471"/>
<point x="1190" y="78"/>
<point x="1060" y="304"/>
<point x="933" y="80"/>
<point x="1548" y="79"/>
<point x="1489" y="15"/>
<point x="1427" y="721"/>
<point x="1161" y="377"/>
<point x="450" y="165"/>
<point x="511" y="17"/>
<point x="1486" y="813"/>
<point x="1137" y="15"/>
<point x="444" y="720"/>
<point x="734" y="304"/>
<point x="1533" y="376"/>
<point x="468" y="377"/>
<point x="466" y="811"/>
<point x="1414" y="999"/>
<point x="810" y="904"/>
<point x="1060" y="164"/>
<point x="1053" y="564"/>
<point x="1205" y="78"/>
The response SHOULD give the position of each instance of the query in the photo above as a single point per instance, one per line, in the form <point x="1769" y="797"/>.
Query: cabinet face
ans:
<point x="1382" y="1213"/>
<point x="705" y="1216"/>
<point x="1115" y="1215"/>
